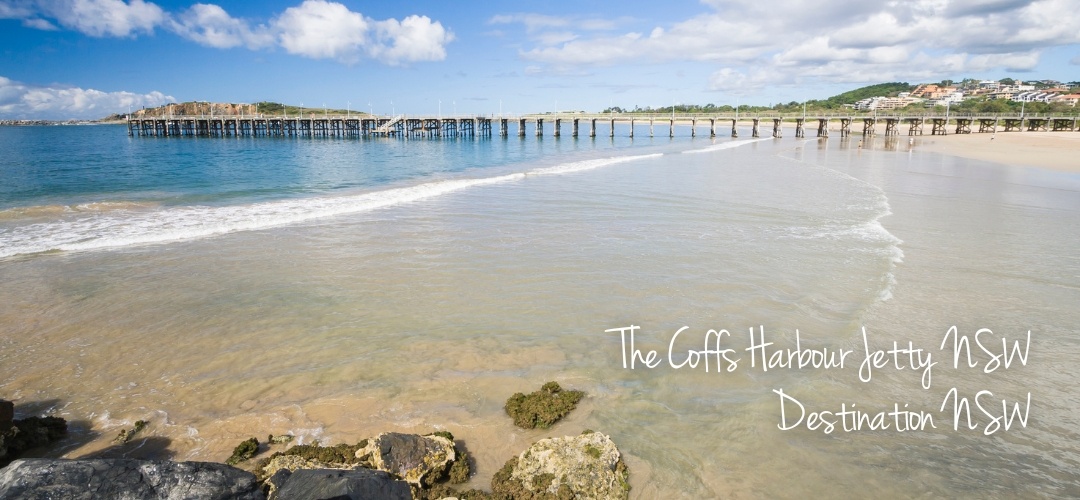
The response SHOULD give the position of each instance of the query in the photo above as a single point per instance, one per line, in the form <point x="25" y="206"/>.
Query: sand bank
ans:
<point x="1050" y="150"/>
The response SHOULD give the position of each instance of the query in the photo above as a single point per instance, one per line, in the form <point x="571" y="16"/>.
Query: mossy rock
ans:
<point x="310" y="456"/>
<point x="585" y="466"/>
<point x="244" y="451"/>
<point x="542" y="408"/>
<point x="125" y="435"/>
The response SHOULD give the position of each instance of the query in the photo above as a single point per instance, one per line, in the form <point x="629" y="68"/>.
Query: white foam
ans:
<point x="579" y="166"/>
<point x="725" y="145"/>
<point x="121" y="228"/>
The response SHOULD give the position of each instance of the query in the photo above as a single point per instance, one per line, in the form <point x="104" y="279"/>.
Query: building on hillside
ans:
<point x="883" y="103"/>
<point x="1034" y="96"/>
<point x="931" y="91"/>
<point x="1070" y="99"/>
<point x="947" y="99"/>
<point x="989" y="85"/>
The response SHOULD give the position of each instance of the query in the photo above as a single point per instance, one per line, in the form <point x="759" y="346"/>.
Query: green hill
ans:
<point x="881" y="89"/>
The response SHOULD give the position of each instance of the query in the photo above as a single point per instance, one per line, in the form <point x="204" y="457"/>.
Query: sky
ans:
<point x="63" y="59"/>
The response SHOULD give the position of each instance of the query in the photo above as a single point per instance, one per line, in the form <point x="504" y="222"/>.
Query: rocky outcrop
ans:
<point x="34" y="479"/>
<point x="419" y="460"/>
<point x="359" y="484"/>
<point x="585" y="466"/>
<point x="542" y="408"/>
<point x="7" y="421"/>
<point x="17" y="436"/>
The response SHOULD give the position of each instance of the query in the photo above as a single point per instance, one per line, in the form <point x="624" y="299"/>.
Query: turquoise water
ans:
<point x="335" y="289"/>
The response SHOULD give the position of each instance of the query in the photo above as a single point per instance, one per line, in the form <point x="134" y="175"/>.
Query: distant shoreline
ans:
<point x="50" y="123"/>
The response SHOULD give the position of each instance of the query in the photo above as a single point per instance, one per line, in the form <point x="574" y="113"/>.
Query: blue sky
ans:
<point x="89" y="58"/>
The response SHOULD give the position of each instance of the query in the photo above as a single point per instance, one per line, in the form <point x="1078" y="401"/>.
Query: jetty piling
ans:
<point x="409" y="127"/>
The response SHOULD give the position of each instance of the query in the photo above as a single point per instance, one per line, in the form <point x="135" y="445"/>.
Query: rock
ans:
<point x="585" y="466"/>
<point x="125" y="435"/>
<point x="419" y="460"/>
<point x="542" y="408"/>
<point x="244" y="451"/>
<point x="7" y="415"/>
<point x="7" y="421"/>
<point x="34" y="479"/>
<point x="30" y="433"/>
<point x="313" y="484"/>
<point x="309" y="456"/>
<point x="280" y="439"/>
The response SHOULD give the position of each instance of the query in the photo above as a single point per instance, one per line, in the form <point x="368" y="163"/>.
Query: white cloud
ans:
<point x="328" y="30"/>
<point x="322" y="30"/>
<point x="105" y="17"/>
<point x="210" y="25"/>
<point x="841" y="41"/>
<point x="23" y="101"/>
<point x="415" y="38"/>
<point x="39" y="24"/>
<point x="97" y="18"/>
<point x="318" y="29"/>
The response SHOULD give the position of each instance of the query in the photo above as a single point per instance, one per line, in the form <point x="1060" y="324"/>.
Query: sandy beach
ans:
<point x="1050" y="150"/>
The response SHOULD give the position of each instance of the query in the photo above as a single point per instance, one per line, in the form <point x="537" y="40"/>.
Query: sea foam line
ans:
<point x="871" y="230"/>
<point x="125" y="227"/>
<point x="725" y="145"/>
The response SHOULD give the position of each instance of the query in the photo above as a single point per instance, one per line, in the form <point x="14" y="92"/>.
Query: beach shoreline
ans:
<point x="1046" y="150"/>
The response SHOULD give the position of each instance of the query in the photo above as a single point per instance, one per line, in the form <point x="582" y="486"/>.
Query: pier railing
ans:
<point x="407" y="126"/>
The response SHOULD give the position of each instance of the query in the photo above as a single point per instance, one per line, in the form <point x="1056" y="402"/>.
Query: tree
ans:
<point x="1007" y="81"/>
<point x="946" y="83"/>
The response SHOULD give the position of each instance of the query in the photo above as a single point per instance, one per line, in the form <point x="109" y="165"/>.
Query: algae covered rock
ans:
<point x="542" y="408"/>
<point x="309" y="456"/>
<point x="419" y="460"/>
<point x="244" y="451"/>
<point x="125" y="435"/>
<point x="585" y="466"/>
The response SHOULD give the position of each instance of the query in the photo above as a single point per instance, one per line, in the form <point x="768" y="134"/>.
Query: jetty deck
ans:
<point x="405" y="126"/>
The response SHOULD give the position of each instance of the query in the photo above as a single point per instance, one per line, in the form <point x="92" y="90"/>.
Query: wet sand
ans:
<point x="1049" y="150"/>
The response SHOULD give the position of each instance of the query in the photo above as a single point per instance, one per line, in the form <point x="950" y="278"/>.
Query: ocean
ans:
<point x="693" y="287"/>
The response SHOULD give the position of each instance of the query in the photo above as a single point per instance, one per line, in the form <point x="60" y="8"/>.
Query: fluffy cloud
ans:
<point x="210" y="25"/>
<point x="22" y="101"/>
<point x="321" y="30"/>
<point x="98" y="18"/>
<point x="328" y="30"/>
<point x="844" y="41"/>
<point x="317" y="29"/>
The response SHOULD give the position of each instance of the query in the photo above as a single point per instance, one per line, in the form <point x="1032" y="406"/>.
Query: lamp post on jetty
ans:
<point x="301" y="110"/>
<point x="348" y="108"/>
<point x="325" y="113"/>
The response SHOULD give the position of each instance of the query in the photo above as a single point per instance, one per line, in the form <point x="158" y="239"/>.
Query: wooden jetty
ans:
<point x="404" y="126"/>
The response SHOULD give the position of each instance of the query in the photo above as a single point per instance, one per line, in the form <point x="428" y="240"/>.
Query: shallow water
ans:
<point x="336" y="289"/>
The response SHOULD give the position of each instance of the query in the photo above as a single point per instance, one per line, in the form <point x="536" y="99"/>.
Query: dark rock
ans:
<point x="542" y="408"/>
<point x="419" y="460"/>
<point x="313" y="484"/>
<point x="7" y="415"/>
<point x="30" y="433"/>
<point x="34" y="479"/>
